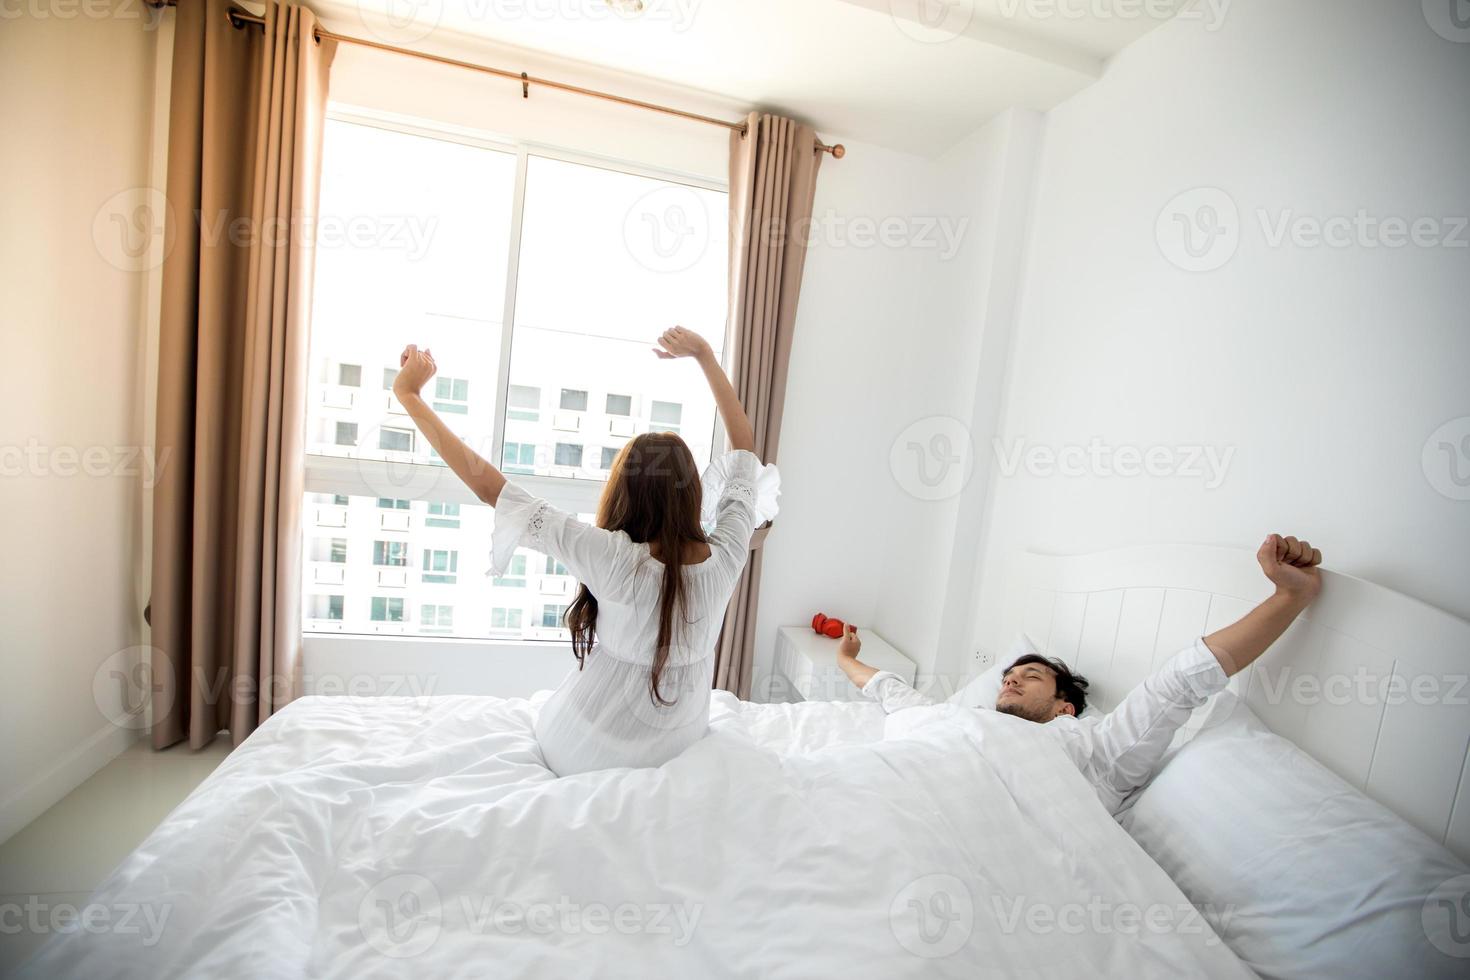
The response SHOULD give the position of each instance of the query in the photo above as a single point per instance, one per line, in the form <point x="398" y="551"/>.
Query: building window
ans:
<point x="523" y="403"/>
<point x="551" y="616"/>
<point x="325" y="607"/>
<point x="329" y="549"/>
<point x="573" y="400"/>
<point x="387" y="610"/>
<point x="519" y="457"/>
<point x="620" y="404"/>
<point x="504" y="618"/>
<point x="436" y="618"/>
<point x="442" y="515"/>
<point x="554" y="567"/>
<point x="349" y="375"/>
<point x="393" y="503"/>
<point x="667" y="415"/>
<point x="568" y="454"/>
<point x="395" y="440"/>
<point x="440" y="566"/>
<point x="452" y="395"/>
<point x="515" y="574"/>
<point x="346" y="434"/>
<point x="391" y="553"/>
<point x="390" y="375"/>
<point x="609" y="454"/>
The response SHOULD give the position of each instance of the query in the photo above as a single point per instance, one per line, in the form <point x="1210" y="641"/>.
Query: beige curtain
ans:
<point x="773" y="176"/>
<point x="245" y="130"/>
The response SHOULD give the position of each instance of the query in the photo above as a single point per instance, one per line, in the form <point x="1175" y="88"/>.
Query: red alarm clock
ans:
<point x="828" y="627"/>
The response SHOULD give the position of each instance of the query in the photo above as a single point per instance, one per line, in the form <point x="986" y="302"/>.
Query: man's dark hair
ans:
<point x="1071" y="687"/>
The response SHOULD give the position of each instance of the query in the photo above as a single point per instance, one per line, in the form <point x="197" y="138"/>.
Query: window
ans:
<point x="667" y="415"/>
<point x="555" y="374"/>
<point x="396" y="440"/>
<point x="325" y="607"/>
<point x="329" y="549"/>
<point x="519" y="457"/>
<point x="440" y="566"/>
<point x="436" y="618"/>
<point x="524" y="403"/>
<point x="452" y="395"/>
<point x="442" y="515"/>
<point x="551" y="616"/>
<point x="609" y="453"/>
<point x="502" y="618"/>
<point x="390" y="553"/>
<point x="515" y="573"/>
<point x="387" y="609"/>
<point x="554" y="567"/>
<point x="393" y="503"/>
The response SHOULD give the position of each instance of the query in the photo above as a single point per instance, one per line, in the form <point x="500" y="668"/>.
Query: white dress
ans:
<point x="603" y="716"/>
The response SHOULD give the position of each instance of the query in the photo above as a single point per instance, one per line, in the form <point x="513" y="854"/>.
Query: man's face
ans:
<point x="1030" y="691"/>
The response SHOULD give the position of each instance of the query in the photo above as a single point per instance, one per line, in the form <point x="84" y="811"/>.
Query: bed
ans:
<point x="422" y="836"/>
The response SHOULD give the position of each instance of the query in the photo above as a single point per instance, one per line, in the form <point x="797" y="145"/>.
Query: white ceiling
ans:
<point x="913" y="75"/>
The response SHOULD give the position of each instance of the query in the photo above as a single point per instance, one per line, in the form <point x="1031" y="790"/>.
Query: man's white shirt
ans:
<point x="1116" y="752"/>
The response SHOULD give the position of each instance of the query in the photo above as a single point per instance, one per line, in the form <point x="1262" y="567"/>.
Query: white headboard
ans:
<point x="1373" y="684"/>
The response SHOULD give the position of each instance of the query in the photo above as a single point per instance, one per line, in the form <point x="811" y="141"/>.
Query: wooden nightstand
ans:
<point x="806" y="665"/>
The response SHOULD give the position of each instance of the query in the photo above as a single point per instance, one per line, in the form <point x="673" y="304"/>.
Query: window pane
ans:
<point x="608" y="455"/>
<point x="666" y="413"/>
<point x="349" y="375"/>
<point x="647" y="254"/>
<point x="412" y="246"/>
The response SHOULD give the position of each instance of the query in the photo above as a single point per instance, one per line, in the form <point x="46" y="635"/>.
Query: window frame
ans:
<point x="422" y="481"/>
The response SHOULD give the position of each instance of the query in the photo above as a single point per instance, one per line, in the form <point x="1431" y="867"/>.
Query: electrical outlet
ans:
<point x="982" y="659"/>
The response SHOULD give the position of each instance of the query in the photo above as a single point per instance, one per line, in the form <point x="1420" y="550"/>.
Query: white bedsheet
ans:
<point x="358" y="837"/>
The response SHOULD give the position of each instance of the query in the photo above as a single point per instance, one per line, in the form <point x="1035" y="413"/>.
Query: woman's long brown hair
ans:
<point x="653" y="495"/>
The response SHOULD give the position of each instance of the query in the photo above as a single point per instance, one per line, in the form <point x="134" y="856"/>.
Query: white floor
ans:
<point x="61" y="856"/>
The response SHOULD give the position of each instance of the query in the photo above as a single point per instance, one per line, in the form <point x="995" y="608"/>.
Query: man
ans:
<point x="1118" y="752"/>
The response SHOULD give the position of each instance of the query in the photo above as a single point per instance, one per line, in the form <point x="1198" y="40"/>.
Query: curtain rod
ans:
<point x="239" y="18"/>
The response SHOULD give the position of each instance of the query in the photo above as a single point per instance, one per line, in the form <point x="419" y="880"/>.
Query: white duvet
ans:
<point x="361" y="837"/>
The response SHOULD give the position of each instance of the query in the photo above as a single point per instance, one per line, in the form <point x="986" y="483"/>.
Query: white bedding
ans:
<point x="354" y="837"/>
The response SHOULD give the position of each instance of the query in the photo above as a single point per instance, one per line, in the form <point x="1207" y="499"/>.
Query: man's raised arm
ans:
<point x="884" y="686"/>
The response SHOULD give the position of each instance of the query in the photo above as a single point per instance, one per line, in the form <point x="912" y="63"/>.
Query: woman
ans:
<point x="654" y="585"/>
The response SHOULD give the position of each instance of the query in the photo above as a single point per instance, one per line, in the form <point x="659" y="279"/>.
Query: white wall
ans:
<point x="76" y="114"/>
<point x="893" y="336"/>
<point x="1324" y="369"/>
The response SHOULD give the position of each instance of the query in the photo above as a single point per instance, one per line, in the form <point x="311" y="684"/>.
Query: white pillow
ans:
<point x="1302" y="875"/>
<point x="982" y="690"/>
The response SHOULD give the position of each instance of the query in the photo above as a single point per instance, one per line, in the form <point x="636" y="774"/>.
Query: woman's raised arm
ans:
<point x="679" y="342"/>
<point x="416" y="367"/>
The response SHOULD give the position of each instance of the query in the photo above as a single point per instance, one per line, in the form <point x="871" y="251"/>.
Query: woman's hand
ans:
<point x="679" y="342"/>
<point x="415" y="368"/>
